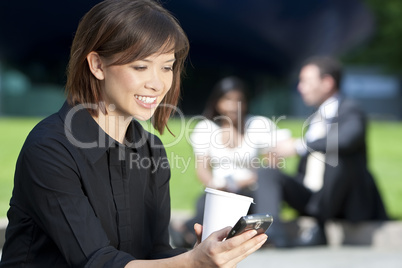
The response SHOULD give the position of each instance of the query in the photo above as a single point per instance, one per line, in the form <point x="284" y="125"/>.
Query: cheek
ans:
<point x="309" y="89"/>
<point x="168" y="83"/>
<point x="119" y="82"/>
<point x="232" y="105"/>
<point x="220" y="106"/>
<point x="316" y="91"/>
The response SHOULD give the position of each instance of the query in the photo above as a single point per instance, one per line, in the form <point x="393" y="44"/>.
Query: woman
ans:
<point x="80" y="199"/>
<point x="225" y="152"/>
<point x="228" y="145"/>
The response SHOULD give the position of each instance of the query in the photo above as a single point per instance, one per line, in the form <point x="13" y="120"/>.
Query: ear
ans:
<point x="328" y="83"/>
<point x="95" y="64"/>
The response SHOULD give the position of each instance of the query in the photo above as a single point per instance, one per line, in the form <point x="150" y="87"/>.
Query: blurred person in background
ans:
<point x="229" y="146"/>
<point x="332" y="180"/>
<point x="77" y="199"/>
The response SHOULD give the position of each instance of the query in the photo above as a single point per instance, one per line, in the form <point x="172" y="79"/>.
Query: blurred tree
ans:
<point x="384" y="47"/>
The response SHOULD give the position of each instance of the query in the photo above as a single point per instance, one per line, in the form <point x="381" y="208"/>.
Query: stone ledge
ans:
<point x="383" y="234"/>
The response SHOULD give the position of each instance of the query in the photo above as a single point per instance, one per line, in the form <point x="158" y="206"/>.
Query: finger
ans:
<point x="198" y="232"/>
<point x="220" y="234"/>
<point x="244" y="249"/>
<point x="198" y="229"/>
<point x="240" y="253"/>
<point x="260" y="240"/>
<point x="238" y="240"/>
<point x="223" y="233"/>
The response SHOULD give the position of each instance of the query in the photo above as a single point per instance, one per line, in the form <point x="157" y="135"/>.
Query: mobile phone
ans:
<point x="259" y="222"/>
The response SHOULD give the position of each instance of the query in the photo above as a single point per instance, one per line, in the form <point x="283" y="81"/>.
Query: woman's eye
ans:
<point x="168" y="68"/>
<point x="140" y="68"/>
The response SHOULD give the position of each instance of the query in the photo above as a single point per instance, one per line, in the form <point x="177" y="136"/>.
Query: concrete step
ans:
<point x="324" y="256"/>
<point x="382" y="234"/>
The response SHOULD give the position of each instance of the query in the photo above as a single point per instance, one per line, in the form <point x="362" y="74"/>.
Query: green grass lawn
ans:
<point x="383" y="142"/>
<point x="13" y="132"/>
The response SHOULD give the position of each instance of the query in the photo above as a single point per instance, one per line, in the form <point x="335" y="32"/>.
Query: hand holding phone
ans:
<point x="259" y="222"/>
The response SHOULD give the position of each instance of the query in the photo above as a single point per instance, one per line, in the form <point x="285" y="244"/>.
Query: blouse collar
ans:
<point x="82" y="131"/>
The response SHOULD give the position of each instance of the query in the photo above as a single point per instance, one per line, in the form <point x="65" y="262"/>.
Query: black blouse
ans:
<point x="81" y="199"/>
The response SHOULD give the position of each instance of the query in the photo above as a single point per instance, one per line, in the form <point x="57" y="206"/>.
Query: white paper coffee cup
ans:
<point x="223" y="209"/>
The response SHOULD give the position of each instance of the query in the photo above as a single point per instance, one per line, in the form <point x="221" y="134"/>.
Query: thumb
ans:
<point x="198" y="232"/>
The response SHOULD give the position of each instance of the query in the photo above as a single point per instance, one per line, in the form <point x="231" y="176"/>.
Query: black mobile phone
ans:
<point x="259" y="222"/>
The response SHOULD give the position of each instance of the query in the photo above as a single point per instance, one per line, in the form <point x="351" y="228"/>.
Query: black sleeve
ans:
<point x="162" y="248"/>
<point x="51" y="193"/>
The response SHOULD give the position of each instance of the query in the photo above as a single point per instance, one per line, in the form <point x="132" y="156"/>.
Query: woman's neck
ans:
<point x="232" y="136"/>
<point x="115" y="126"/>
<point x="233" y="125"/>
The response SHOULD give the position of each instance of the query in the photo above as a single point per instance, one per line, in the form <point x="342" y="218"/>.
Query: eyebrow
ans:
<point x="171" y="60"/>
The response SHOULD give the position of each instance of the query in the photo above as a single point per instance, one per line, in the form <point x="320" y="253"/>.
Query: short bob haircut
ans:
<point x="131" y="30"/>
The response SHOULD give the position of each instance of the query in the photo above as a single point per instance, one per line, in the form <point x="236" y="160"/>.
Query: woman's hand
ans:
<point x="214" y="252"/>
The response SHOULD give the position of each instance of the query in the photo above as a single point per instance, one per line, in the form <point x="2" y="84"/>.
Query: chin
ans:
<point x="141" y="118"/>
<point x="309" y="102"/>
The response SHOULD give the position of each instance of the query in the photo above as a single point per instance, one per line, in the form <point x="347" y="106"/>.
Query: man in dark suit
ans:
<point x="333" y="181"/>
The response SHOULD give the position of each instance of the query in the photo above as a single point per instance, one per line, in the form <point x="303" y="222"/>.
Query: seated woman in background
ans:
<point x="228" y="145"/>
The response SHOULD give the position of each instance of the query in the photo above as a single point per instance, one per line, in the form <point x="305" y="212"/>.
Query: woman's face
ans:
<point x="137" y="88"/>
<point x="232" y="105"/>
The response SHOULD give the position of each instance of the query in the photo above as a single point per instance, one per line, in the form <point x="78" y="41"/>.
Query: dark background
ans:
<point x="261" y="41"/>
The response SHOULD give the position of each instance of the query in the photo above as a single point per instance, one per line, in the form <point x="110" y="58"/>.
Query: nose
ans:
<point x="154" y="81"/>
<point x="233" y="105"/>
<point x="300" y="87"/>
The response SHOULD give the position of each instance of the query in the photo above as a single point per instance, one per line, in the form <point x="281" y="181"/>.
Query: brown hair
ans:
<point x="221" y="88"/>
<point x="133" y="29"/>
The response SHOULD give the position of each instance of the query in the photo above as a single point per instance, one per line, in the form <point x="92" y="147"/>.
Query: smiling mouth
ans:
<point x="145" y="99"/>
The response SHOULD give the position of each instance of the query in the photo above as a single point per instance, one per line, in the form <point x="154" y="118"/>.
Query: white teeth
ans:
<point x="145" y="99"/>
